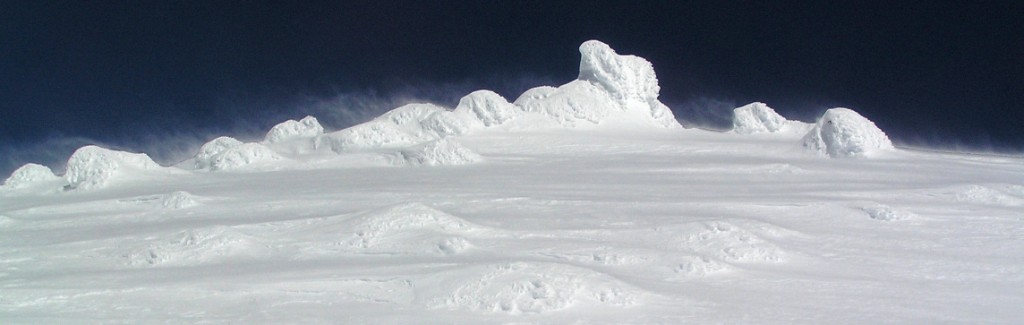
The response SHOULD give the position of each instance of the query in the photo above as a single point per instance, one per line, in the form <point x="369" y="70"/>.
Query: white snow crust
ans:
<point x="841" y="132"/>
<point x="93" y="167"/>
<point x="307" y="127"/>
<point x="590" y="208"/>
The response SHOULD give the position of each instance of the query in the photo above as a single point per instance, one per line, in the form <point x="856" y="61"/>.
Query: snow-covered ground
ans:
<point x="582" y="203"/>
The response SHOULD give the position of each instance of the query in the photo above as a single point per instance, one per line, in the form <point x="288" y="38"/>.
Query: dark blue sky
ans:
<point x="161" y="77"/>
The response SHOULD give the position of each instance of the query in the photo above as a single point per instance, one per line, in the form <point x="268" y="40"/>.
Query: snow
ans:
<point x="308" y="127"/>
<point x="28" y="175"/>
<point x="92" y="167"/>
<point x="565" y="206"/>
<point x="226" y="153"/>
<point x="488" y="107"/>
<point x="442" y="152"/>
<point x="841" y="132"/>
<point x="756" y="117"/>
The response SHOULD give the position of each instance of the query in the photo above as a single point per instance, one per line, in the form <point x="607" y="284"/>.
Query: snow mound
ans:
<point x="196" y="246"/>
<point x="535" y="288"/>
<point x="226" y="153"/>
<point x="989" y="196"/>
<point x="93" y="167"/>
<point x="731" y="243"/>
<point x="179" y="200"/>
<point x="756" y="118"/>
<point x="841" y="132"/>
<point x="488" y="107"/>
<point x="444" y="152"/>
<point x="308" y="127"/>
<point x="411" y="228"/>
<point x="886" y="213"/>
<point x="404" y="126"/>
<point x="29" y="174"/>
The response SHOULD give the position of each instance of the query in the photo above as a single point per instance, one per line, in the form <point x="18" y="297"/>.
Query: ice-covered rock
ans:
<point x="29" y="174"/>
<point x="92" y="167"/>
<point x="307" y="127"/>
<point x="440" y="153"/>
<point x="225" y="153"/>
<point x="610" y="88"/>
<point x="841" y="132"/>
<point x="630" y="80"/>
<point x="488" y="107"/>
<point x="756" y="118"/>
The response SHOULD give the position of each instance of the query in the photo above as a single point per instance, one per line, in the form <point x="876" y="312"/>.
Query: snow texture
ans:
<point x="28" y="175"/>
<point x="574" y="218"/>
<point x="488" y="107"/>
<point x="841" y="132"/>
<point x="93" y="167"/>
<point x="756" y="117"/>
<point x="226" y="153"/>
<point x="444" y="152"/>
<point x="308" y="127"/>
<point x="404" y="126"/>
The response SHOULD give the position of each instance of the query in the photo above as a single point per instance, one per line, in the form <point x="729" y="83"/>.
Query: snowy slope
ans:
<point x="581" y="203"/>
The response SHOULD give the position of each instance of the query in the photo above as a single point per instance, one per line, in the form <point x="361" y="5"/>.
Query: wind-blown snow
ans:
<point x="841" y="132"/>
<point x="308" y="127"/>
<point x="575" y="204"/>
<point x="93" y="167"/>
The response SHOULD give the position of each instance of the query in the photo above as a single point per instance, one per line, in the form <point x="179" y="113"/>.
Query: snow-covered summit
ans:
<point x="307" y="127"/>
<point x="93" y="167"/>
<point x="842" y="132"/>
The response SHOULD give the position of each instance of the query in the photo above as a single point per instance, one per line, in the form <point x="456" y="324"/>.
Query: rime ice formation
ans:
<point x="841" y="132"/>
<point x="92" y="167"/>
<point x="226" y="153"/>
<point x="488" y="107"/>
<point x="610" y="87"/>
<point x="307" y="127"/>
<point x="440" y="153"/>
<point x="756" y="118"/>
<point x="29" y="174"/>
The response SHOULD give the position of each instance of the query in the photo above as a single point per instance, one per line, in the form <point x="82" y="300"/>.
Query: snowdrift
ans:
<point x="841" y="132"/>
<point x="93" y="167"/>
